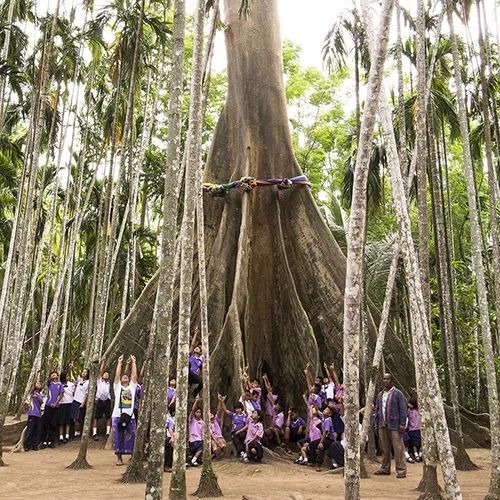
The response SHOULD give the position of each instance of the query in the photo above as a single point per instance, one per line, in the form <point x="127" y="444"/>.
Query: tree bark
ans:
<point x="427" y="379"/>
<point x="164" y="300"/>
<point x="478" y="268"/>
<point x="193" y="159"/>
<point x="355" y="257"/>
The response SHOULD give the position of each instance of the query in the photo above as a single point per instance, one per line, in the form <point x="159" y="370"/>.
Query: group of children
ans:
<point x="257" y="419"/>
<point x="61" y="406"/>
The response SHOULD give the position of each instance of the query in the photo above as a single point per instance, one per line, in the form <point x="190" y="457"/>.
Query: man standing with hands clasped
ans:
<point x="390" y="420"/>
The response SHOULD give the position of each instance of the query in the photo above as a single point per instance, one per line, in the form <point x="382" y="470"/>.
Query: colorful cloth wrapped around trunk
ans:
<point x="250" y="183"/>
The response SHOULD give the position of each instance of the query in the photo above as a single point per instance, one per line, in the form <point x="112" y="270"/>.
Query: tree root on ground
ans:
<point x="429" y="485"/>
<point x="463" y="461"/>
<point x="208" y="485"/>
<point x="79" y="464"/>
<point x="19" y="446"/>
<point x="135" y="473"/>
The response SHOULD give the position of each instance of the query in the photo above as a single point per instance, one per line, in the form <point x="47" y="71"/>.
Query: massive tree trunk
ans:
<point x="478" y="268"/>
<point x="276" y="273"/>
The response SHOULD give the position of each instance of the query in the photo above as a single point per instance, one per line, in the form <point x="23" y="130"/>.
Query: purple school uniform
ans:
<point x="170" y="394"/>
<point x="195" y="363"/>
<point x="329" y="428"/>
<point x="315" y="399"/>
<point x="270" y="402"/>
<point x="215" y="427"/>
<point x="255" y="405"/>
<point x="254" y="430"/>
<point x="195" y="429"/>
<point x="239" y="421"/>
<point x="170" y="426"/>
<point x="279" y="420"/>
<point x="314" y="430"/>
<point x="413" y="420"/>
<point x="54" y="390"/>
<point x="35" y="408"/>
<point x="298" y="422"/>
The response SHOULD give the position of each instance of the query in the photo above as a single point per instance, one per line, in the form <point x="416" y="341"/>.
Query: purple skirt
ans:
<point x="123" y="439"/>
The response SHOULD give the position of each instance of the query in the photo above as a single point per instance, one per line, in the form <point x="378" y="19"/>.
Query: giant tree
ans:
<point x="277" y="274"/>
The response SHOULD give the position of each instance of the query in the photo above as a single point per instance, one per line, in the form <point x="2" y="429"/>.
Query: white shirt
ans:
<point x="102" y="392"/>
<point x="69" y="389"/>
<point x="385" y="395"/>
<point x="329" y="390"/>
<point x="124" y="399"/>
<point x="81" y="390"/>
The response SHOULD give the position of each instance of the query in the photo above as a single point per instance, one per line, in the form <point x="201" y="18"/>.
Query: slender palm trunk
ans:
<point x="493" y="202"/>
<point x="3" y="57"/>
<point x="164" y="300"/>
<point x="178" y="481"/>
<point x="462" y="460"/>
<point x="421" y="153"/>
<point x="355" y="257"/>
<point x="478" y="268"/>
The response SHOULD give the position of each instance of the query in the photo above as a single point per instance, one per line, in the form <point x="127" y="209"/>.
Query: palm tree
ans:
<point x="478" y="266"/>
<point x="355" y="257"/>
<point x="161" y="364"/>
<point x="193" y="159"/>
<point x="336" y="51"/>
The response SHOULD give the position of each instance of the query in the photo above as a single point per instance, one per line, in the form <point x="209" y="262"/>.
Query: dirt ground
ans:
<point x="43" y="474"/>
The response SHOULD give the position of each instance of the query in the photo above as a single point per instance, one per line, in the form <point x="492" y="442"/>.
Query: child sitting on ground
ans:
<point x="255" y="431"/>
<point x="313" y="432"/>
<point x="218" y="441"/>
<point x="275" y="433"/>
<point x="294" y="429"/>
<point x="239" y="423"/>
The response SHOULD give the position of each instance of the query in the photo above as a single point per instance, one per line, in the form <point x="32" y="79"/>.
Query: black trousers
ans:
<point x="49" y="425"/>
<point x="195" y="379"/>
<point x="336" y="453"/>
<point x="33" y="429"/>
<point x="259" y="452"/>
<point x="316" y="454"/>
<point x="239" y="442"/>
<point x="169" y="454"/>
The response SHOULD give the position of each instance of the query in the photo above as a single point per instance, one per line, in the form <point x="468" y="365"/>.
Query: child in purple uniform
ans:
<point x="49" y="419"/>
<point x="275" y="433"/>
<point x="218" y="441"/>
<point x="255" y="431"/>
<point x="239" y="422"/>
<point x="169" y="442"/>
<point x="196" y="424"/>
<point x="414" y="440"/>
<point x="123" y="419"/>
<point x="32" y="436"/>
<point x="171" y="393"/>
<point x="317" y="448"/>
<point x="195" y="364"/>
<point x="294" y="429"/>
<point x="313" y="432"/>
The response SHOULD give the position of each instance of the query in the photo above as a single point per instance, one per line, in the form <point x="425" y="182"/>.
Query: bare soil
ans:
<point x="44" y="474"/>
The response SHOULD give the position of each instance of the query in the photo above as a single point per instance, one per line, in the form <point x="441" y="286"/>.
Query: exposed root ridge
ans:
<point x="463" y="461"/>
<point x="79" y="464"/>
<point x="208" y="485"/>
<point x="19" y="446"/>
<point x="135" y="473"/>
